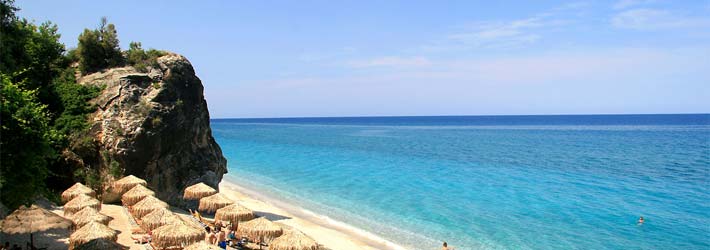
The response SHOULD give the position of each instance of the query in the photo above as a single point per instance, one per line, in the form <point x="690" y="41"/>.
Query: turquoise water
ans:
<point x="510" y="182"/>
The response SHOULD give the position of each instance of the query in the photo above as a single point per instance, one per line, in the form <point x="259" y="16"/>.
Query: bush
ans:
<point x="143" y="108"/>
<point x="140" y="59"/>
<point x="75" y="104"/>
<point x="157" y="121"/>
<point x="115" y="169"/>
<point x="26" y="144"/>
<point x="99" y="48"/>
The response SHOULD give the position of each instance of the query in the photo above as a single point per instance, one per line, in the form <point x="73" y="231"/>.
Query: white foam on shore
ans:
<point x="364" y="236"/>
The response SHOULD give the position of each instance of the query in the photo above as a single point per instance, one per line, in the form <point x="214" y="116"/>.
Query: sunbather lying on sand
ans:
<point x="144" y="238"/>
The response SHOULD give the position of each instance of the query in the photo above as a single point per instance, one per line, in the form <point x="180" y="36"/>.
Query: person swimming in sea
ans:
<point x="446" y="247"/>
<point x="641" y="220"/>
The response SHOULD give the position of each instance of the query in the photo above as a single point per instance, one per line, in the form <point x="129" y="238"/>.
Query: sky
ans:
<point x="401" y="58"/>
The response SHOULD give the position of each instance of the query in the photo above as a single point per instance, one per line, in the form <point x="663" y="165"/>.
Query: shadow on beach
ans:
<point x="271" y="216"/>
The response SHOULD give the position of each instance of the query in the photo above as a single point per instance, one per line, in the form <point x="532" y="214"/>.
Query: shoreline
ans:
<point x="330" y="233"/>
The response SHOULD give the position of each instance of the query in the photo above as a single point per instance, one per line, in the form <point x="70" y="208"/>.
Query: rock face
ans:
<point x="156" y="126"/>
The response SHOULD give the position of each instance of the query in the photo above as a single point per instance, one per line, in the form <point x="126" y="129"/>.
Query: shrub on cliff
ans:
<point x="141" y="59"/>
<point x="99" y="48"/>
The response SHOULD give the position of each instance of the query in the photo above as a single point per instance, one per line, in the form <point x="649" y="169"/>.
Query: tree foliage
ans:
<point x="44" y="109"/>
<point x="42" y="105"/>
<point x="99" y="48"/>
<point x="141" y="59"/>
<point x="26" y="144"/>
<point x="32" y="53"/>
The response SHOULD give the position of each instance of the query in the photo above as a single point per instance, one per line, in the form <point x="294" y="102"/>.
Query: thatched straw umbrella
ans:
<point x="192" y="223"/>
<point x="202" y="246"/>
<point x="159" y="217"/>
<point x="177" y="235"/>
<point x="126" y="183"/>
<point x="234" y="213"/>
<point x="136" y="194"/>
<point x="213" y="202"/>
<point x="198" y="191"/>
<point x="33" y="220"/>
<point x="91" y="231"/>
<point x="87" y="215"/>
<point x="76" y="190"/>
<point x="79" y="203"/>
<point x="260" y="228"/>
<point x="147" y="205"/>
<point x="293" y="240"/>
<point x="101" y="244"/>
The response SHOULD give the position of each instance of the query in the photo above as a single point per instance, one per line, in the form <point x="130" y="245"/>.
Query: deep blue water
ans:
<point x="489" y="182"/>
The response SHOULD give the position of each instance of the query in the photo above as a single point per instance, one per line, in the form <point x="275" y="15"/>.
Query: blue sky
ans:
<point x="372" y="58"/>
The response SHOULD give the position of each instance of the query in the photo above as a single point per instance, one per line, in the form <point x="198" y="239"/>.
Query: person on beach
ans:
<point x="221" y="237"/>
<point x="146" y="238"/>
<point x="208" y="236"/>
<point x="641" y="220"/>
<point x="232" y="236"/>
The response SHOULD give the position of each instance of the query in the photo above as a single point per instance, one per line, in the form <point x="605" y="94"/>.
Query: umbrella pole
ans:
<point x="32" y="241"/>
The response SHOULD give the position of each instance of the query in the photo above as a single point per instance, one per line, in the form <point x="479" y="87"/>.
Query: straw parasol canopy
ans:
<point x="177" y="235"/>
<point x="213" y="202"/>
<point x="136" y="194"/>
<point x="202" y="246"/>
<point x="198" y="191"/>
<point x="33" y="219"/>
<point x="192" y="223"/>
<point x="91" y="231"/>
<point x="101" y="244"/>
<point x="293" y="240"/>
<point x="260" y="228"/>
<point x="159" y="217"/>
<point x="76" y="190"/>
<point x="79" y="203"/>
<point x="126" y="183"/>
<point x="234" y="213"/>
<point x="87" y="215"/>
<point x="147" y="205"/>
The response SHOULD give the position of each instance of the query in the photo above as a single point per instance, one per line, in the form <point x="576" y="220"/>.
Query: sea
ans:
<point x="488" y="182"/>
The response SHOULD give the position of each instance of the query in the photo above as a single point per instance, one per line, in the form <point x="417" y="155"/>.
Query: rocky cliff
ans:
<point x="156" y="126"/>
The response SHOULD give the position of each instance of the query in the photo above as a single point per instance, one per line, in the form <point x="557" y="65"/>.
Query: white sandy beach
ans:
<point x="331" y="234"/>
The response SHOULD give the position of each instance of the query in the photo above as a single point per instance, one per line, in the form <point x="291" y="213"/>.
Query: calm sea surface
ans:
<point x="488" y="182"/>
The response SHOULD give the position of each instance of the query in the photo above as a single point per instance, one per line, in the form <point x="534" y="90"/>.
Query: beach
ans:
<point x="331" y="234"/>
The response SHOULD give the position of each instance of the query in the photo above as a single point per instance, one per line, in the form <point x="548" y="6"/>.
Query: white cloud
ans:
<point x="499" y="34"/>
<point x="653" y="19"/>
<point x="392" y="61"/>
<point x="623" y="4"/>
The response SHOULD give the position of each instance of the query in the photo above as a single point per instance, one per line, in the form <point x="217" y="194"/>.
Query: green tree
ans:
<point x="44" y="110"/>
<point x="30" y="54"/>
<point x="110" y="44"/>
<point x="75" y="103"/>
<point x="99" y="49"/>
<point x="26" y="140"/>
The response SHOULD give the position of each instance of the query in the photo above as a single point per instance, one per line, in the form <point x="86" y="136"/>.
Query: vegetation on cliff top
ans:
<point x="44" y="110"/>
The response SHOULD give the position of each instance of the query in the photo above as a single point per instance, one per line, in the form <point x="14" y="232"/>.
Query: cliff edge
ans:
<point x="156" y="126"/>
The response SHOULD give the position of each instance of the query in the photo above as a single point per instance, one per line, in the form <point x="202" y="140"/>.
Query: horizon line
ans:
<point x="402" y="116"/>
